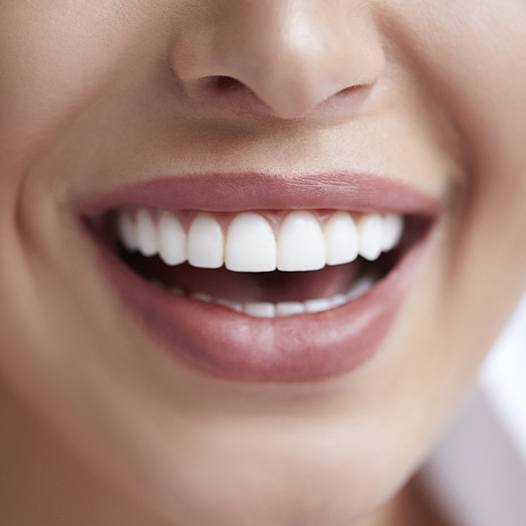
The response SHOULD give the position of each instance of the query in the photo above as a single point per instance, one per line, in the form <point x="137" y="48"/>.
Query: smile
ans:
<point x="262" y="278"/>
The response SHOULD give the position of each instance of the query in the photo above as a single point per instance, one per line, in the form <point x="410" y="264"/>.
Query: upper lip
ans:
<point x="232" y="192"/>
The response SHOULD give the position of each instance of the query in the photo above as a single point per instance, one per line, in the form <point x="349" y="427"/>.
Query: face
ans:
<point x="407" y="117"/>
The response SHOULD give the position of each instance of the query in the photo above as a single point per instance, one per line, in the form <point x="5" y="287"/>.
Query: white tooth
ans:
<point x="338" y="299"/>
<point x="172" y="240"/>
<point x="238" y="307"/>
<point x="250" y="244"/>
<point x="341" y="239"/>
<point x="146" y="233"/>
<point x="301" y="245"/>
<point x="202" y="296"/>
<point x="370" y="232"/>
<point x="260" y="310"/>
<point x="127" y="231"/>
<point x="393" y="228"/>
<point x="362" y="286"/>
<point x="288" y="308"/>
<point x="205" y="244"/>
<point x="317" y="305"/>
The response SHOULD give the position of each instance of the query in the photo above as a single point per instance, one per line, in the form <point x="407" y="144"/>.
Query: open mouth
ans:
<point x="288" y="294"/>
<point x="261" y="264"/>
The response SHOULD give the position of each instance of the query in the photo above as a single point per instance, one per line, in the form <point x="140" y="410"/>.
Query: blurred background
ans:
<point x="478" y="469"/>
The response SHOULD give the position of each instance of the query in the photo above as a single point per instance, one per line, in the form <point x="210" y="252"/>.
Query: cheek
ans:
<point x="57" y="65"/>
<point x="474" y="62"/>
<point x="487" y="93"/>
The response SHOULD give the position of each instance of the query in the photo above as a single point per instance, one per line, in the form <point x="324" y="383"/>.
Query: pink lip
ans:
<point x="226" y="344"/>
<point x="235" y="192"/>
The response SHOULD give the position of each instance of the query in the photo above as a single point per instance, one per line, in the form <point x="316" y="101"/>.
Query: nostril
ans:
<point x="356" y="88"/>
<point x="224" y="83"/>
<point x="230" y="93"/>
<point x="223" y="92"/>
<point x="233" y="93"/>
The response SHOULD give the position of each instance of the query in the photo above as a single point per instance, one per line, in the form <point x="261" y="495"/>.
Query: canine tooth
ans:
<point x="317" y="305"/>
<point x="146" y="233"/>
<point x="341" y="239"/>
<point x="202" y="296"/>
<point x="250" y="244"/>
<point x="393" y="229"/>
<point x="127" y="231"/>
<point x="301" y="244"/>
<point x="288" y="308"/>
<point x="260" y="310"/>
<point x="172" y="240"/>
<point x="370" y="232"/>
<point x="205" y="244"/>
<point x="238" y="307"/>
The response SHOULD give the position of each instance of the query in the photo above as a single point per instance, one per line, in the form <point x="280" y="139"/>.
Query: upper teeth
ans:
<point x="302" y="242"/>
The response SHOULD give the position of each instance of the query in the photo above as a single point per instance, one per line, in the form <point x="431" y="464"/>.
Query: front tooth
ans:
<point x="370" y="232"/>
<point x="250" y="244"/>
<point x="172" y="240"/>
<point x="288" y="308"/>
<point x="205" y="245"/>
<point x="127" y="231"/>
<point x="146" y="233"/>
<point x="260" y="310"/>
<point x="341" y="239"/>
<point x="393" y="228"/>
<point x="301" y="244"/>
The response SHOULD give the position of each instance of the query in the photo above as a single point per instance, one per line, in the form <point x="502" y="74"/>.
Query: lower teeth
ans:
<point x="282" y="309"/>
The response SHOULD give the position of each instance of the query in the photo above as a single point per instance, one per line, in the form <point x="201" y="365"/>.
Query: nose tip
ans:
<point x="285" y="62"/>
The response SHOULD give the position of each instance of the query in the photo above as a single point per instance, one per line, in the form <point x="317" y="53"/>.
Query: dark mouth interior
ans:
<point x="276" y="286"/>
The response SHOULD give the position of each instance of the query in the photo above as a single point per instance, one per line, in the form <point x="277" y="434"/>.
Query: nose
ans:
<point x="284" y="57"/>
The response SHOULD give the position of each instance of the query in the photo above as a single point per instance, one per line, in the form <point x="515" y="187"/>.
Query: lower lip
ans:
<point x="304" y="348"/>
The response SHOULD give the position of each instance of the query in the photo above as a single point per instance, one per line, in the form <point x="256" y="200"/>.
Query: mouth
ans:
<point x="258" y="278"/>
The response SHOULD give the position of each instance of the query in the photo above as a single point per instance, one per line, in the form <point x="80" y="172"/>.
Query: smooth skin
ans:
<point x="98" y="424"/>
